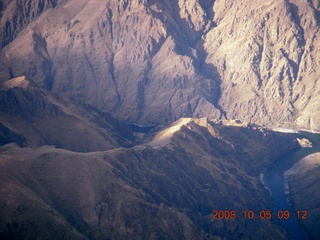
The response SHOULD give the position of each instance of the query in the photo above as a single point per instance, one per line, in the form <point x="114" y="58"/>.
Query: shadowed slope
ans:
<point x="45" y="119"/>
<point x="166" y="192"/>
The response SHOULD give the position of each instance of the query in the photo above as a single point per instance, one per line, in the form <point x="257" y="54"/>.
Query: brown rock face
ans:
<point x="16" y="15"/>
<point x="75" y="172"/>
<point x="265" y="54"/>
<point x="130" y="57"/>
<point x="155" y="61"/>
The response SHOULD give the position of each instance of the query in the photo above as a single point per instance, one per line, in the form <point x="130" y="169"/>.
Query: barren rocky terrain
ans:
<point x="31" y="116"/>
<point x="165" y="191"/>
<point x="152" y="62"/>
<point x="71" y="171"/>
<point x="209" y="78"/>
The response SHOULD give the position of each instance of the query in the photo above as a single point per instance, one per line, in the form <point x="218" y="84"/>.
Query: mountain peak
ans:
<point x="163" y="137"/>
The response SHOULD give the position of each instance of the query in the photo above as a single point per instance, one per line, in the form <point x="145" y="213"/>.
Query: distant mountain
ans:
<point x="165" y="188"/>
<point x="31" y="116"/>
<point x="152" y="62"/>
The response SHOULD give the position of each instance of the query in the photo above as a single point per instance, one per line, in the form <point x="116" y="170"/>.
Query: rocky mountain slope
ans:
<point x="204" y="75"/>
<point x="31" y="116"/>
<point x="152" y="62"/>
<point x="165" y="186"/>
<point x="155" y="190"/>
<point x="265" y="53"/>
<point x="305" y="182"/>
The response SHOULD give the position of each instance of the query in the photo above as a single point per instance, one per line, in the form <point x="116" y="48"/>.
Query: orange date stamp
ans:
<point x="263" y="214"/>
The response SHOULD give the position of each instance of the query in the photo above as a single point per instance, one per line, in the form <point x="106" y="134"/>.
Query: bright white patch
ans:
<point x="311" y="131"/>
<point x="286" y="188"/>
<point x="305" y="143"/>
<point x="261" y="175"/>
<point x="284" y="130"/>
<point x="15" y="82"/>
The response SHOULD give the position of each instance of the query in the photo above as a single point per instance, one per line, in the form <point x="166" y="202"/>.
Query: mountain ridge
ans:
<point x="42" y="118"/>
<point x="166" y="191"/>
<point x="153" y="62"/>
<point x="211" y="78"/>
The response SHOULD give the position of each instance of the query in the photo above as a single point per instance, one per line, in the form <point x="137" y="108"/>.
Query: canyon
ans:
<point x="136" y="119"/>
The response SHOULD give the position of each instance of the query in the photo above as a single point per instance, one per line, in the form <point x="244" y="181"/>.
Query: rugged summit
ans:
<point x="152" y="62"/>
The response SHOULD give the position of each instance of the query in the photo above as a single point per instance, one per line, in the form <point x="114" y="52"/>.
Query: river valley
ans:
<point x="275" y="182"/>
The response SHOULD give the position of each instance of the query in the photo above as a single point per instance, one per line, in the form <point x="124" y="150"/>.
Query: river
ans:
<point x="274" y="180"/>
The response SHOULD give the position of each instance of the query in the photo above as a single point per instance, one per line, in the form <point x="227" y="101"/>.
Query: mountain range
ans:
<point x="161" y="185"/>
<point x="152" y="62"/>
<point x="136" y="119"/>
